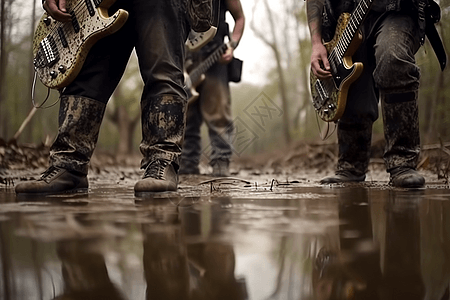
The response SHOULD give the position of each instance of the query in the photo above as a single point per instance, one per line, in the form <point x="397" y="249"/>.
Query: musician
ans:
<point x="392" y="34"/>
<point x="214" y="103"/>
<point x="157" y="30"/>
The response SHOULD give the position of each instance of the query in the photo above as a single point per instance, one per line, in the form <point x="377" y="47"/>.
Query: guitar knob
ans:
<point x="47" y="21"/>
<point x="53" y="74"/>
<point x="62" y="69"/>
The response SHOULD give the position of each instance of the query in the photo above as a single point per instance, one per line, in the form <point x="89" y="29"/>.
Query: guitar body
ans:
<point x="329" y="96"/>
<point x="60" y="49"/>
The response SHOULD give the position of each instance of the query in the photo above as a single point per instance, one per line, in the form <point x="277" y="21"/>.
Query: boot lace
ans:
<point x="156" y="169"/>
<point x="50" y="173"/>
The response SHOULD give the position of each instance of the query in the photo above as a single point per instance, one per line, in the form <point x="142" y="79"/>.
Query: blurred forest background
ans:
<point x="271" y="104"/>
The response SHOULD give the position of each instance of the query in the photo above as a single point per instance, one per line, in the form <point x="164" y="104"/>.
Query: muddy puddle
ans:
<point x="231" y="239"/>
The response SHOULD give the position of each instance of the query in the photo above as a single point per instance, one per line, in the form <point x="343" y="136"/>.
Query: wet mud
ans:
<point x="252" y="236"/>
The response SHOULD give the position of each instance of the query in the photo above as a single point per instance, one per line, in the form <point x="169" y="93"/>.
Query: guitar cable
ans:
<point x="326" y="136"/>
<point x="33" y="88"/>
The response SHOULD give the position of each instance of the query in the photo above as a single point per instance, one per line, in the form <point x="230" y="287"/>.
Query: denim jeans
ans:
<point x="387" y="53"/>
<point x="214" y="108"/>
<point x="157" y="30"/>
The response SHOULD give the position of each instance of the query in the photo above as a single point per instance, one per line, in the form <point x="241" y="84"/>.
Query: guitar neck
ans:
<point x="207" y="63"/>
<point x="357" y="17"/>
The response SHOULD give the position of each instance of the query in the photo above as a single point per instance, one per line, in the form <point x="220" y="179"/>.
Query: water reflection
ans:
<point x="317" y="243"/>
<point x="84" y="272"/>
<point x="186" y="259"/>
<point x="392" y="247"/>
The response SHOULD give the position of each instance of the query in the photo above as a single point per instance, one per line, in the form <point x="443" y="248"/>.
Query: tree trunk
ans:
<point x="282" y="82"/>
<point x="3" y="120"/>
<point x="30" y="127"/>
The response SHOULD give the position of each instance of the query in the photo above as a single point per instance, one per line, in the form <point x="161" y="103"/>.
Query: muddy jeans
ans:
<point x="390" y="71"/>
<point x="213" y="107"/>
<point x="157" y="30"/>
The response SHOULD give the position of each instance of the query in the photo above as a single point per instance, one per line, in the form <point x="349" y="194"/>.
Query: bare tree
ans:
<point x="3" y="60"/>
<point x="274" y="46"/>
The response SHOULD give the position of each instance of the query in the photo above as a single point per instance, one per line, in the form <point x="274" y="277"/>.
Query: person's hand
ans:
<point x="320" y="65"/>
<point x="57" y="10"/>
<point x="227" y="56"/>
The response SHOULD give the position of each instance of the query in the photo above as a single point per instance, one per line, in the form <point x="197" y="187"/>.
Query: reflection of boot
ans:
<point x="354" y="153"/>
<point x="79" y="124"/>
<point x="163" y="120"/>
<point x="401" y="130"/>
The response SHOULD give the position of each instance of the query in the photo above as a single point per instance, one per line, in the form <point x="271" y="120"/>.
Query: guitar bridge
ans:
<point x="47" y="54"/>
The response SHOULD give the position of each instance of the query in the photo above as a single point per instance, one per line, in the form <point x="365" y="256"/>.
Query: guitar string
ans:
<point x="343" y="43"/>
<point x="217" y="53"/>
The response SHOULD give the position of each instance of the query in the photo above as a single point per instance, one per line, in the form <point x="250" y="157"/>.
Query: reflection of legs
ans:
<point x="165" y="263"/>
<point x="84" y="273"/>
<point x="217" y="261"/>
<point x="356" y="240"/>
<point x="216" y="111"/>
<point x="353" y="270"/>
<point x="402" y="277"/>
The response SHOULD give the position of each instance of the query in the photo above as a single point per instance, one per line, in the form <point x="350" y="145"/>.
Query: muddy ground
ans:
<point x="307" y="162"/>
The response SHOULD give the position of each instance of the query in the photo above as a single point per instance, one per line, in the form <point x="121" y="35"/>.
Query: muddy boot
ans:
<point x="401" y="131"/>
<point x="79" y="124"/>
<point x="53" y="181"/>
<point x="163" y="120"/>
<point x="220" y="168"/>
<point x="354" y="153"/>
<point x="406" y="178"/>
<point x="159" y="176"/>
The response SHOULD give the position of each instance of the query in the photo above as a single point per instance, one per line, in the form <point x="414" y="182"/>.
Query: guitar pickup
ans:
<point x="323" y="94"/>
<point x="90" y="7"/>
<point x="62" y="37"/>
<point x="75" y="24"/>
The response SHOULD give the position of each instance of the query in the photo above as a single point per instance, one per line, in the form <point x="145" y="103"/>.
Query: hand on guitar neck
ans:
<point x="57" y="10"/>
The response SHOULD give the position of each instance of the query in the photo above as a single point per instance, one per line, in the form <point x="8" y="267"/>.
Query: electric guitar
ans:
<point x="60" y="49"/>
<point x="329" y="96"/>
<point x="196" y="76"/>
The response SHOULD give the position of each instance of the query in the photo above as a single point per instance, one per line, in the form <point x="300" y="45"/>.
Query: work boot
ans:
<point x="343" y="176"/>
<point x="159" y="176"/>
<point x="79" y="124"/>
<point x="220" y="168"/>
<point x="401" y="131"/>
<point x="404" y="177"/>
<point x="354" y="153"/>
<point x="55" y="181"/>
